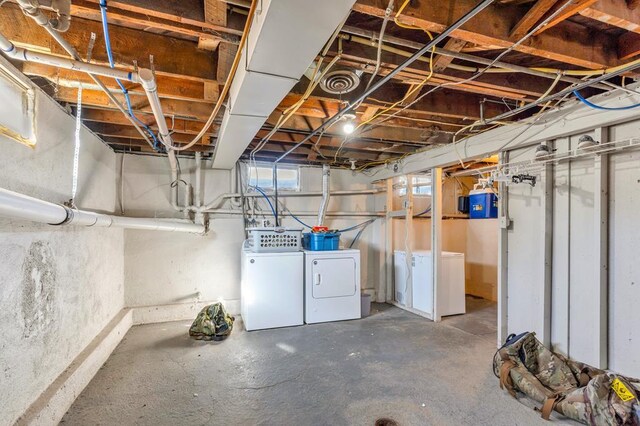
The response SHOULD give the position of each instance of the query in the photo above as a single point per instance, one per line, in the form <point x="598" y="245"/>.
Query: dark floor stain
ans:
<point x="38" y="288"/>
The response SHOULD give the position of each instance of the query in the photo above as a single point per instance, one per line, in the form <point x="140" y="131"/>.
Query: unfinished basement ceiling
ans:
<point x="190" y="44"/>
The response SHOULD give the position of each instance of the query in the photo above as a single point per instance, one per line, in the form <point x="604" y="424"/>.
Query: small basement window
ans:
<point x="421" y="186"/>
<point x="262" y="177"/>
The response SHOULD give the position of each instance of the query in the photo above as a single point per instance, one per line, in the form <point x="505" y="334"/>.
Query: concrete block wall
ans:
<point x="186" y="270"/>
<point x="59" y="286"/>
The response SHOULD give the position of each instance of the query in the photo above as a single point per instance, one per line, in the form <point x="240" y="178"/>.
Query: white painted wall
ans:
<point x="171" y="269"/>
<point x="575" y="301"/>
<point x="60" y="286"/>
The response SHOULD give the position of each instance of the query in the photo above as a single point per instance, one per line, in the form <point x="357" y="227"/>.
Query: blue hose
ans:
<point x="423" y="212"/>
<point x="592" y="105"/>
<point x="125" y="92"/>
<point x="266" y="198"/>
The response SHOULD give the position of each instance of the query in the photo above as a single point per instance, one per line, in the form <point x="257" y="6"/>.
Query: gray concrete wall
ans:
<point x="59" y="286"/>
<point x="166" y="268"/>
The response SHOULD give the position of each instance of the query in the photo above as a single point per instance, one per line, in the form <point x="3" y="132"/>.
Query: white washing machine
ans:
<point x="332" y="285"/>
<point x="272" y="290"/>
<point x="451" y="291"/>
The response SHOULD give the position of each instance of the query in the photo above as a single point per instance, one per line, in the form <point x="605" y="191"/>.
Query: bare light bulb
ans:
<point x="348" y="127"/>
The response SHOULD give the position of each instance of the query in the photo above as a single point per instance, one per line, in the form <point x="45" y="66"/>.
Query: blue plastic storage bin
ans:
<point x="321" y="241"/>
<point x="483" y="204"/>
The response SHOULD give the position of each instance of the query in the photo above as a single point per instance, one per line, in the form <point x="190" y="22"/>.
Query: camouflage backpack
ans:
<point x="571" y="388"/>
<point x="212" y="323"/>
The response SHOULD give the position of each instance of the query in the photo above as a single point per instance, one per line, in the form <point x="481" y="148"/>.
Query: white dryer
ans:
<point x="332" y="285"/>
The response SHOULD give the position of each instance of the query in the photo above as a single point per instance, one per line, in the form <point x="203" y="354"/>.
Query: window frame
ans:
<point x="262" y="165"/>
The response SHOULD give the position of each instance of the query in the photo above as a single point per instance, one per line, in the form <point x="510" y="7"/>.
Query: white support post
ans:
<point x="389" y="293"/>
<point x="408" y="207"/>
<point x="503" y="287"/>
<point x="547" y="176"/>
<point x="436" y="236"/>
<point x="601" y="264"/>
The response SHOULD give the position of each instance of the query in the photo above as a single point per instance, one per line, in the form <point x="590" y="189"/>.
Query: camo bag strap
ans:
<point x="506" y="382"/>
<point x="548" y="406"/>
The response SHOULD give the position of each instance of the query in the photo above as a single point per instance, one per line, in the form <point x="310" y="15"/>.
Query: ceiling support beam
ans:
<point x="531" y="18"/>
<point x="564" y="45"/>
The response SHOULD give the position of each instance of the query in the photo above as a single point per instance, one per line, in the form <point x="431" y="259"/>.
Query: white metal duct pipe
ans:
<point x="326" y="174"/>
<point x="26" y="55"/>
<point x="23" y="207"/>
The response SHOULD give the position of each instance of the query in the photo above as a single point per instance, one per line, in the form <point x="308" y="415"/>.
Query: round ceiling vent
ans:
<point x="339" y="82"/>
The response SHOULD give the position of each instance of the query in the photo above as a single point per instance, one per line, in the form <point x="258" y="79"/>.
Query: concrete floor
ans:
<point x="392" y="364"/>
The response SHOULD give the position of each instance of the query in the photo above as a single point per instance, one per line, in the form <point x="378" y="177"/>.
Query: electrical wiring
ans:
<point x="410" y="92"/>
<point x="594" y="106"/>
<point x="383" y="28"/>
<point x="484" y="70"/>
<point x="125" y="92"/>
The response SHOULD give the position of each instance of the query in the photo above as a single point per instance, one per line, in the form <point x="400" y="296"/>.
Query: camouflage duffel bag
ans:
<point x="212" y="323"/>
<point x="573" y="389"/>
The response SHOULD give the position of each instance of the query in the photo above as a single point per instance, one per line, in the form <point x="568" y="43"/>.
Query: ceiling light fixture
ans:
<point x="349" y="125"/>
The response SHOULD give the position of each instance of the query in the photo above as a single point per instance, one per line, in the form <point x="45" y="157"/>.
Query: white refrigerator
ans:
<point x="272" y="290"/>
<point x="451" y="292"/>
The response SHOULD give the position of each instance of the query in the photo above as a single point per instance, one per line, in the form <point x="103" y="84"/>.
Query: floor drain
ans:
<point x="386" y="422"/>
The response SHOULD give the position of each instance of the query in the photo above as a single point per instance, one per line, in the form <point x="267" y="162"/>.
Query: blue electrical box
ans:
<point x="483" y="204"/>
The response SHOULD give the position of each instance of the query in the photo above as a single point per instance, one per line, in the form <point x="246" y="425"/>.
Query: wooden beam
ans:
<point x="574" y="8"/>
<point x="168" y="87"/>
<point x="533" y="15"/>
<point x="170" y="107"/>
<point x="91" y="11"/>
<point x="215" y="12"/>
<point x="226" y="55"/>
<point x="614" y="12"/>
<point x="442" y="62"/>
<point x="189" y="12"/>
<point x="113" y="123"/>
<point x="172" y="57"/>
<point x="629" y="45"/>
<point x="493" y="27"/>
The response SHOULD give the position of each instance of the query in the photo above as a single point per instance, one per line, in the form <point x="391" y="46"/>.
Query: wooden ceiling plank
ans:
<point x="493" y="26"/>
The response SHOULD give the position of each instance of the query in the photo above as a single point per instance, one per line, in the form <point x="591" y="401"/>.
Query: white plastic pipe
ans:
<point x="197" y="195"/>
<point x="23" y="207"/>
<point x="26" y="55"/>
